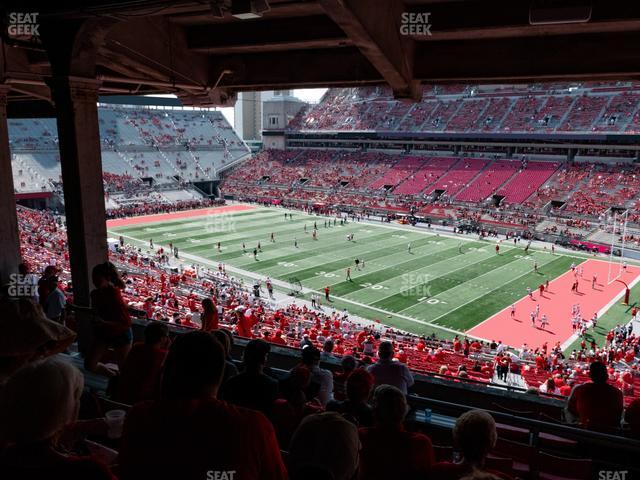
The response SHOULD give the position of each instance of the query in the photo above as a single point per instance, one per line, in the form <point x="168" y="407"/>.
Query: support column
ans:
<point x="10" y="251"/>
<point x="79" y="142"/>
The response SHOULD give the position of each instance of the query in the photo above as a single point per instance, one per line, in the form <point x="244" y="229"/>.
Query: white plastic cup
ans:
<point x="115" y="421"/>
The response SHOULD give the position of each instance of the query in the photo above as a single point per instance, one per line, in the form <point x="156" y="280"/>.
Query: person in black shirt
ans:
<point x="252" y="388"/>
<point x="355" y="408"/>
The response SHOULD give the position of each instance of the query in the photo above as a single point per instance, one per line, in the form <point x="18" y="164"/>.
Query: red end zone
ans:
<point x="556" y="304"/>
<point x="123" y="222"/>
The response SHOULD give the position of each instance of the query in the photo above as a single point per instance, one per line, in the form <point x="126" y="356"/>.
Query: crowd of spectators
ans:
<point x="582" y="192"/>
<point x="186" y="415"/>
<point x="186" y="391"/>
<point x="534" y="108"/>
<point x="142" y="207"/>
<point x="200" y="298"/>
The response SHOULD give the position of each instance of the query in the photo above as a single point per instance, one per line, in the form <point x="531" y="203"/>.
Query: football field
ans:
<point x="442" y="284"/>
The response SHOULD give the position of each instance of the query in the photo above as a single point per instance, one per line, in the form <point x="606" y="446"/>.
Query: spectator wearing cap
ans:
<point x="252" y="388"/>
<point x="306" y="341"/>
<point x="386" y="371"/>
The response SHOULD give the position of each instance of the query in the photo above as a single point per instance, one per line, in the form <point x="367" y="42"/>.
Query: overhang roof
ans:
<point x="182" y="47"/>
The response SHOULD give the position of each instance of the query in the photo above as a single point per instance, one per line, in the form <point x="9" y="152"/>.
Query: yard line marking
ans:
<point x="306" y="290"/>
<point x="435" y="278"/>
<point x="387" y="267"/>
<point x="479" y="296"/>
<point x="386" y="312"/>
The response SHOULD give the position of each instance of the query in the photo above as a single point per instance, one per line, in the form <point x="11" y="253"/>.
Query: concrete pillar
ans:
<point x="10" y="251"/>
<point x="79" y="142"/>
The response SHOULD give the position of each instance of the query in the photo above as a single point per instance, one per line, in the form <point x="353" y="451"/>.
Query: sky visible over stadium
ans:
<point x="311" y="95"/>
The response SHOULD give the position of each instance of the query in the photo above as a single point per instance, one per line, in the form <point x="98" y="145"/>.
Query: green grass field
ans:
<point x="445" y="285"/>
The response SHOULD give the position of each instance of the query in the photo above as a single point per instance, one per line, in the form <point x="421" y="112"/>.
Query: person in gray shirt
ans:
<point x="387" y="371"/>
<point x="55" y="302"/>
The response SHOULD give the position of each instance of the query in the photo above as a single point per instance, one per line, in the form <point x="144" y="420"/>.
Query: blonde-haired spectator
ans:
<point x="474" y="435"/>
<point x="38" y="403"/>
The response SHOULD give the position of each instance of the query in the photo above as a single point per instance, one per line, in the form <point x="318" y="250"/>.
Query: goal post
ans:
<point x="617" y="222"/>
<point x="627" y="292"/>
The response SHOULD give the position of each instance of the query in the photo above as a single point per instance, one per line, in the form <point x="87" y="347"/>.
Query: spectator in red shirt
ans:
<point x="112" y="328"/>
<point x="388" y="451"/>
<point x="38" y="402"/>
<point x="457" y="345"/>
<point x="209" y="317"/>
<point x="596" y="404"/>
<point x="288" y="411"/>
<point x="140" y="375"/>
<point x="474" y="435"/>
<point x="566" y="388"/>
<point x="246" y="321"/>
<point x="541" y="363"/>
<point x="189" y="432"/>
<point x="277" y="338"/>
<point x="325" y="445"/>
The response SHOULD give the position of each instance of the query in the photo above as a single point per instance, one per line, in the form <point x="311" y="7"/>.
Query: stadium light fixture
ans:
<point x="222" y="74"/>
<point x="249" y="9"/>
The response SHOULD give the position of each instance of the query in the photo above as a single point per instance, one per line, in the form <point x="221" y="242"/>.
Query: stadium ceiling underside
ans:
<point x="207" y="51"/>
